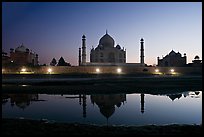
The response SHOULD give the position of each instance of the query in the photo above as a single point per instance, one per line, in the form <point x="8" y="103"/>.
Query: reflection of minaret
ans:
<point x="142" y="51"/>
<point x="84" y="105"/>
<point x="142" y="103"/>
<point x="83" y="49"/>
<point x="79" y="99"/>
<point x="79" y="56"/>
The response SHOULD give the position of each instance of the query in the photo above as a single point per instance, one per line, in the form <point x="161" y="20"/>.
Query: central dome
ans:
<point x="21" y="48"/>
<point x="107" y="41"/>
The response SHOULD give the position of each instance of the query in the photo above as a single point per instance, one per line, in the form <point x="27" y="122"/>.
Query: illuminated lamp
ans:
<point x="119" y="70"/>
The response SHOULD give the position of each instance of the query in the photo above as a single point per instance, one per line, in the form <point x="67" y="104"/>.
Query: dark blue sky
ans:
<point x="54" y="29"/>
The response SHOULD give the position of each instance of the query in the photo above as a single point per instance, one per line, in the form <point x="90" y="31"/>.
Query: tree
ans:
<point x="53" y="62"/>
<point x="61" y="62"/>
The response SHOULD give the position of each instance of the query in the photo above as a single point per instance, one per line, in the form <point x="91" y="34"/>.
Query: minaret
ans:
<point x="142" y="103"/>
<point x="79" y="56"/>
<point x="142" y="51"/>
<point x="83" y="49"/>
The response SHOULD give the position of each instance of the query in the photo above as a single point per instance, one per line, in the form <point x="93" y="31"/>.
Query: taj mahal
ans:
<point x="107" y="53"/>
<point x="105" y="58"/>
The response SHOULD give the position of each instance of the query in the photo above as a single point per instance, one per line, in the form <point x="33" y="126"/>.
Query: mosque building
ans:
<point x="23" y="56"/>
<point x="107" y="53"/>
<point x="172" y="59"/>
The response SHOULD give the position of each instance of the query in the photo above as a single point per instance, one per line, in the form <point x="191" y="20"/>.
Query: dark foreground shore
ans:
<point x="113" y="84"/>
<point x="34" y="127"/>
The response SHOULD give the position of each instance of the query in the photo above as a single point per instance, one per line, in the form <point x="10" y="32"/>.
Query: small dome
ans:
<point x="197" y="57"/>
<point x="118" y="47"/>
<point x="142" y="40"/>
<point x="21" y="48"/>
<point x="107" y="41"/>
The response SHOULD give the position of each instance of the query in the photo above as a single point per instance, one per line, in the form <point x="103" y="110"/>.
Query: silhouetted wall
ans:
<point x="106" y="69"/>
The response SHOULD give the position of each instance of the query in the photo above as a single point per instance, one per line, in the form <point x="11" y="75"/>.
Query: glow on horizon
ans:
<point x="55" y="29"/>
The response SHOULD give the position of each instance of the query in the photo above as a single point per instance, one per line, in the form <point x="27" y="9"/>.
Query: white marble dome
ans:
<point x="21" y="48"/>
<point x="107" y="41"/>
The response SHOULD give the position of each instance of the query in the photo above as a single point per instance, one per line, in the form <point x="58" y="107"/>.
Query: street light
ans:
<point x="172" y="70"/>
<point x="23" y="69"/>
<point x="156" y="70"/>
<point x="97" y="70"/>
<point x="49" y="70"/>
<point x="119" y="70"/>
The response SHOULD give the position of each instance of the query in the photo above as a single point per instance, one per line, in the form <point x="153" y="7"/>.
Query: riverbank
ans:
<point x="34" y="127"/>
<point x="62" y="84"/>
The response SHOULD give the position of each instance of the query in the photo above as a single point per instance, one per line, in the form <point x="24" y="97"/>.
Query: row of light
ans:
<point x="171" y="70"/>
<point x="49" y="70"/>
<point x="119" y="70"/>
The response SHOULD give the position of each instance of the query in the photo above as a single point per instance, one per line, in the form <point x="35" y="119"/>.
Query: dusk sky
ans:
<point x="54" y="29"/>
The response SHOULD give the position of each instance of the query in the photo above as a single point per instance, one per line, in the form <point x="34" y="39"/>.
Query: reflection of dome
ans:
<point x="106" y="103"/>
<point x="107" y="111"/>
<point x="174" y="96"/>
<point x="197" y="92"/>
<point x="107" y="41"/>
<point x="21" y="48"/>
<point x="22" y="100"/>
<point x="22" y="105"/>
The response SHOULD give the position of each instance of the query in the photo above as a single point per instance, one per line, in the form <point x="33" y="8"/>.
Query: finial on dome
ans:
<point x="106" y="31"/>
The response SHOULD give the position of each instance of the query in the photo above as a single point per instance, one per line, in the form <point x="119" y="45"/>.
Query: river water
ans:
<point x="102" y="109"/>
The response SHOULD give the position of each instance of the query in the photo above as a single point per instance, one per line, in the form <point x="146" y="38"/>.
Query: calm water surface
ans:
<point x="102" y="109"/>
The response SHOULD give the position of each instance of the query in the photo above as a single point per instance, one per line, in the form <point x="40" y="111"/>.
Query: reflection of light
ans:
<point x="97" y="70"/>
<point x="119" y="70"/>
<point x="23" y="69"/>
<point x="3" y="70"/>
<point x="12" y="61"/>
<point x="156" y="70"/>
<point x="172" y="70"/>
<point x="49" y="70"/>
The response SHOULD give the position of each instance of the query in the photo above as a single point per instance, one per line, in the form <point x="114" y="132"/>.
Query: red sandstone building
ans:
<point x="23" y="56"/>
<point x="172" y="59"/>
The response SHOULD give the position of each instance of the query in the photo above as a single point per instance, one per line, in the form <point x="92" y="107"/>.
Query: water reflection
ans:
<point x="107" y="103"/>
<point x="20" y="100"/>
<point x="193" y="94"/>
<point x="116" y="107"/>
